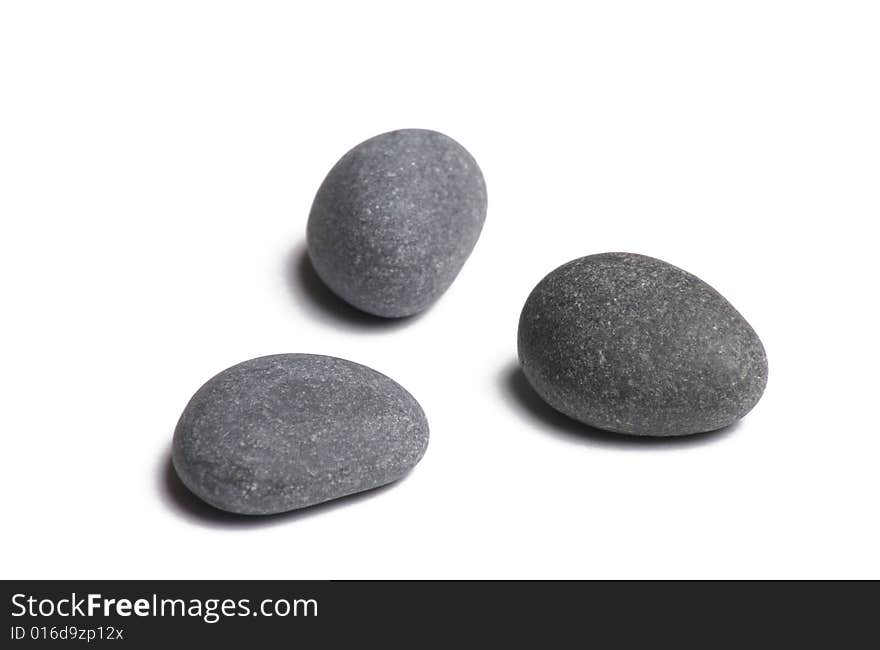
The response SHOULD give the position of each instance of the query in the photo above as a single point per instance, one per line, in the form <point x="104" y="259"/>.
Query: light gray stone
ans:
<point x="395" y="220"/>
<point x="631" y="344"/>
<point x="288" y="431"/>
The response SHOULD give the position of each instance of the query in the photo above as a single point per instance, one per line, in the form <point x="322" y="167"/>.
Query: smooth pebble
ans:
<point x="395" y="220"/>
<point x="288" y="431"/>
<point x="631" y="344"/>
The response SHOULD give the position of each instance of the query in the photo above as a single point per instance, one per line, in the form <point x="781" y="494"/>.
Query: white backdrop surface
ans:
<point x="157" y="164"/>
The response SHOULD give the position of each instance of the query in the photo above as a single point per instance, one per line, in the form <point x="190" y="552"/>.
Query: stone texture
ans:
<point x="288" y="431"/>
<point x="631" y="344"/>
<point x="394" y="221"/>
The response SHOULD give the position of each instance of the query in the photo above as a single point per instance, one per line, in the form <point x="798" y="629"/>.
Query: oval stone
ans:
<point x="631" y="344"/>
<point x="394" y="221"/>
<point x="288" y="431"/>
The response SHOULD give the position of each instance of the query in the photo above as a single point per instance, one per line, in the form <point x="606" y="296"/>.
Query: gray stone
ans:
<point x="395" y="219"/>
<point x="288" y="431"/>
<point x="631" y="344"/>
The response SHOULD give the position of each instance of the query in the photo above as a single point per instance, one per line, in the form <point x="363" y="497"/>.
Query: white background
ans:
<point x="157" y="165"/>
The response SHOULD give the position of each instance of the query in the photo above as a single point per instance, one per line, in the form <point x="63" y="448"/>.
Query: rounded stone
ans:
<point x="631" y="344"/>
<point x="395" y="220"/>
<point x="288" y="431"/>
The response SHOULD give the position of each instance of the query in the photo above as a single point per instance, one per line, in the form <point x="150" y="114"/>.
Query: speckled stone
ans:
<point x="288" y="431"/>
<point x="394" y="221"/>
<point x="631" y="344"/>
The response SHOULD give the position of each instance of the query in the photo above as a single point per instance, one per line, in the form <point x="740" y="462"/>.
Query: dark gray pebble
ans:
<point x="395" y="219"/>
<point x="288" y="431"/>
<point x="631" y="344"/>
